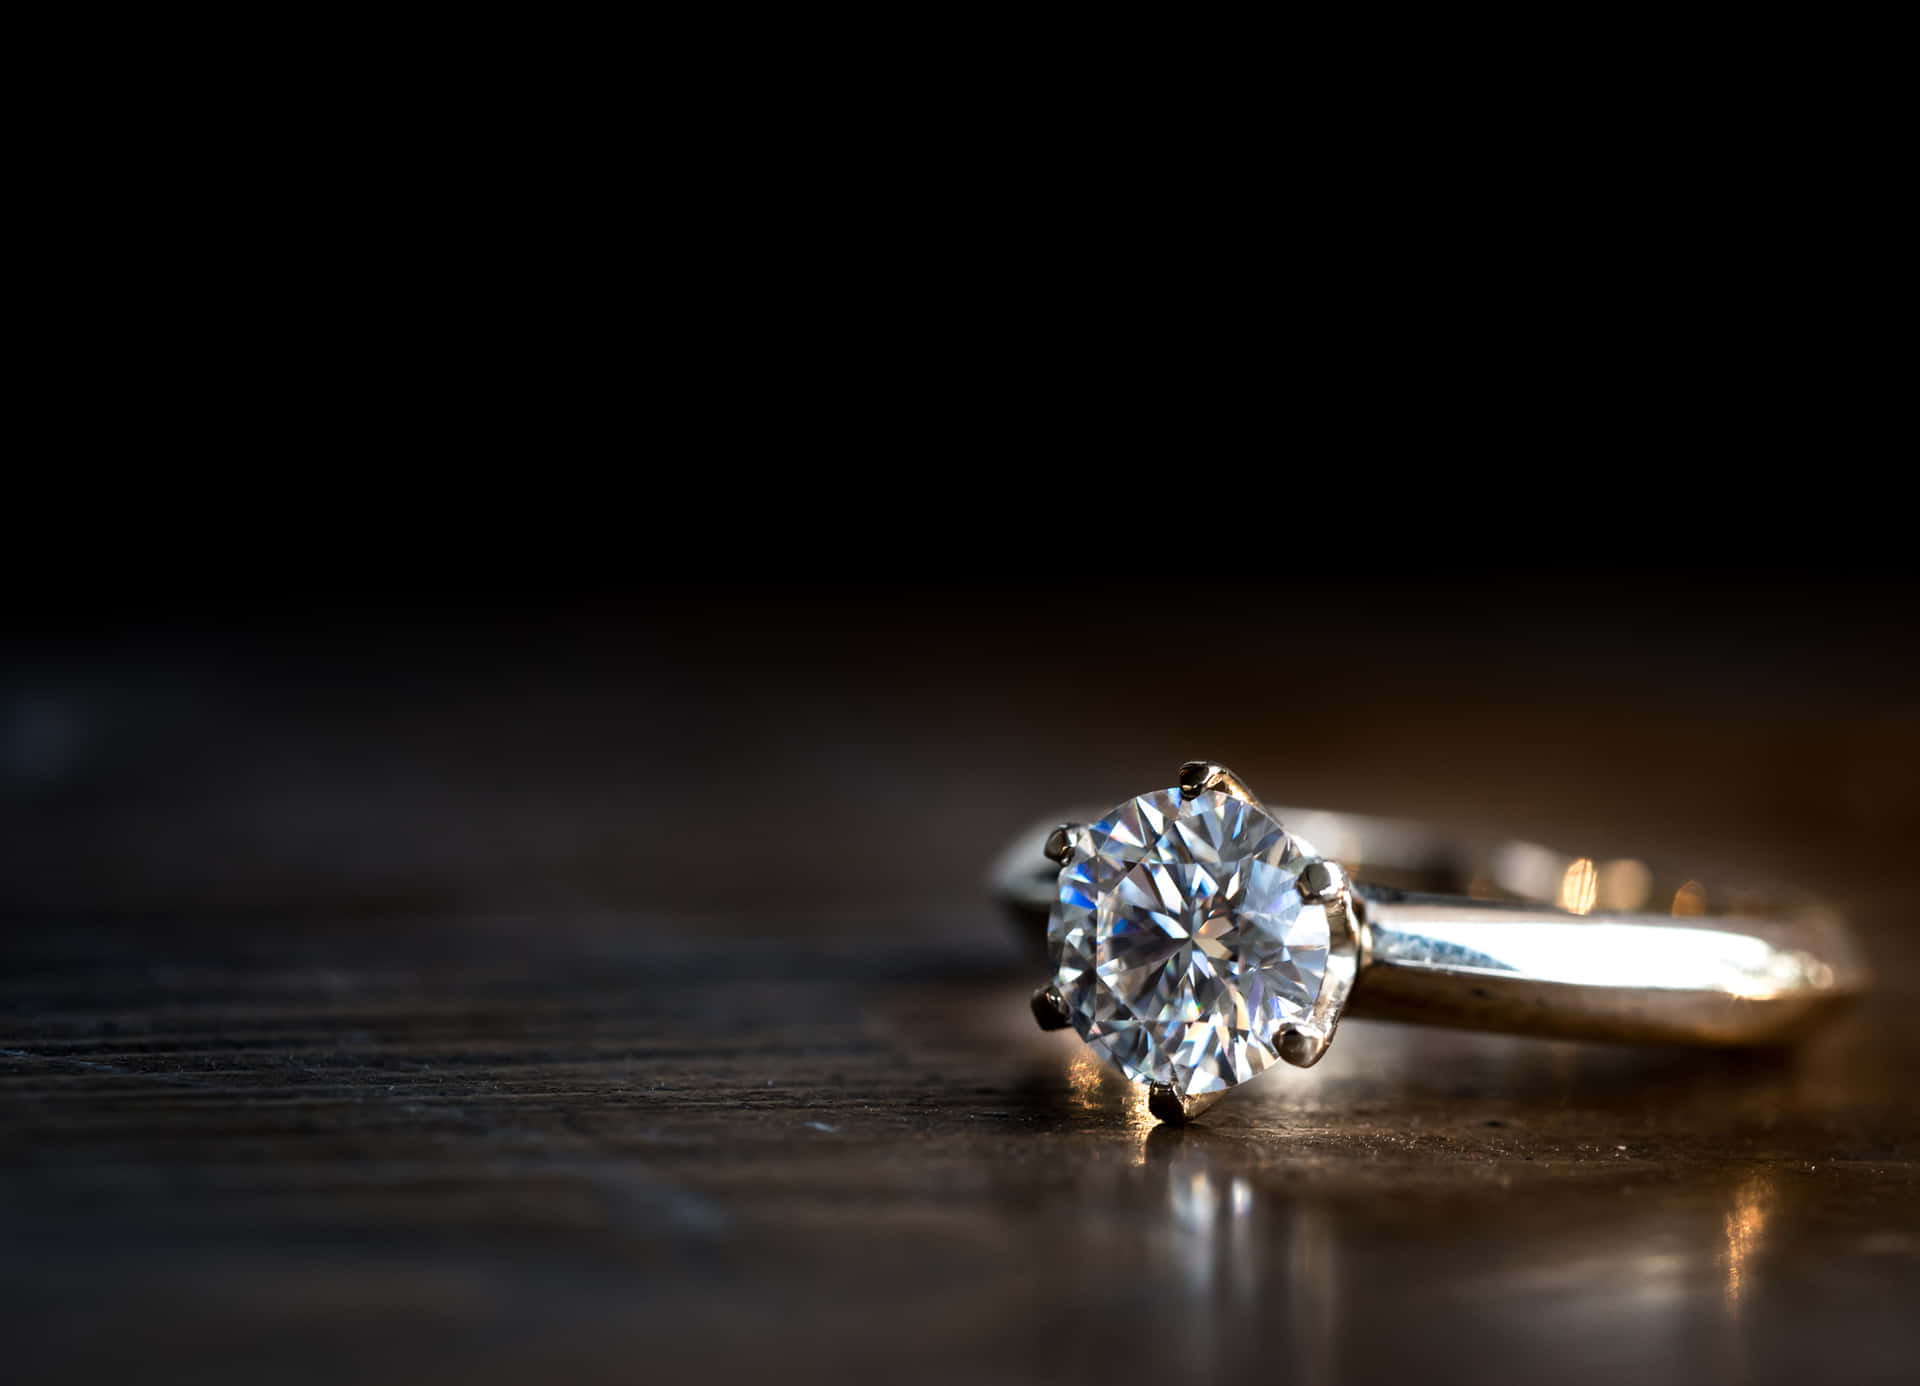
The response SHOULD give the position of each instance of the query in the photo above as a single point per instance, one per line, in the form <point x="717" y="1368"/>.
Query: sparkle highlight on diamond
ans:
<point x="1181" y="942"/>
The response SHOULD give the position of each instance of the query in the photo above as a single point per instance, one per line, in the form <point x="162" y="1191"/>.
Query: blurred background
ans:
<point x="594" y="978"/>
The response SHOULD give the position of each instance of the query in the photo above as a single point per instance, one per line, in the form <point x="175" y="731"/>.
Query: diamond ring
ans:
<point x="1194" y="940"/>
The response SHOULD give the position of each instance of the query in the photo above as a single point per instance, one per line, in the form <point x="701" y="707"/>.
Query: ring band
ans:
<point x="1196" y="935"/>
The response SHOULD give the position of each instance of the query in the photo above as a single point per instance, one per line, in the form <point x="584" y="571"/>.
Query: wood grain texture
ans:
<point x="426" y="1022"/>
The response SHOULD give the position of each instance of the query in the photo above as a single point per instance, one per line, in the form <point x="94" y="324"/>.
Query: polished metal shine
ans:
<point x="1529" y="945"/>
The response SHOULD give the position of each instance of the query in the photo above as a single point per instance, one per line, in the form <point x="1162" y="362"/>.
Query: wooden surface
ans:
<point x="485" y="1001"/>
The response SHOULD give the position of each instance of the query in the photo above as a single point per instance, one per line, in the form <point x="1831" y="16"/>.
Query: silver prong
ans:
<point x="1199" y="776"/>
<point x="1170" y="1107"/>
<point x="1321" y="882"/>
<point x="1050" y="1009"/>
<point x="1061" y="842"/>
<point x="1302" y="1045"/>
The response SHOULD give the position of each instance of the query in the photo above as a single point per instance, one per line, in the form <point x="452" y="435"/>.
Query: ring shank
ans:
<point x="1501" y="950"/>
<point x="1641" y="977"/>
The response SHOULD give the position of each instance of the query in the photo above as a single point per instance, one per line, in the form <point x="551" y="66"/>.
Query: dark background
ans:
<point x="454" y="979"/>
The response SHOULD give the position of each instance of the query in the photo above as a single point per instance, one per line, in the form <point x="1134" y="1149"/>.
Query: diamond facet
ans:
<point x="1181" y="941"/>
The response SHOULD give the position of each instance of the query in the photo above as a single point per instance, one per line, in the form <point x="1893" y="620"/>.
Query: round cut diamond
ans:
<point x="1181" y="942"/>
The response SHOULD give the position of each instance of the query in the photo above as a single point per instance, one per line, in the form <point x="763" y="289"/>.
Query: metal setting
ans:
<point x="1169" y="1106"/>
<point x="1303" y="1046"/>
<point x="1323" y="881"/>
<point x="1514" y="937"/>
<point x="1050" y="1009"/>
<point x="1060" y="843"/>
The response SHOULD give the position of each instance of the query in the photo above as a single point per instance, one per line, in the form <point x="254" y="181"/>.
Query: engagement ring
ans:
<point x="1194" y="940"/>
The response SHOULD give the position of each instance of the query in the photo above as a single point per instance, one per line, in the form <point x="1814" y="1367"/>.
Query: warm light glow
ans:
<point x="1083" y="1082"/>
<point x="1095" y="1089"/>
<point x="1140" y="1118"/>
<point x="1746" y="1222"/>
<point x="1578" y="886"/>
<point x="1624" y="884"/>
<point x="1690" y="900"/>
